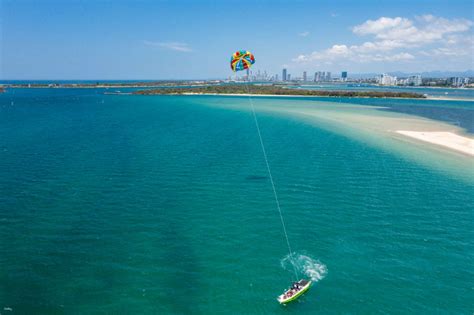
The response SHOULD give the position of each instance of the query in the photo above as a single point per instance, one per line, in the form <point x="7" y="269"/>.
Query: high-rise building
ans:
<point x="456" y="81"/>
<point x="321" y="76"/>
<point x="283" y="75"/>
<point x="385" y="79"/>
<point x="288" y="77"/>
<point x="414" y="80"/>
<point x="276" y="77"/>
<point x="344" y="76"/>
<point x="304" y="76"/>
<point x="318" y="76"/>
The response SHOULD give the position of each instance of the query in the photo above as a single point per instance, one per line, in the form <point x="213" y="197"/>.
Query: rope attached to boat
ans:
<point x="275" y="195"/>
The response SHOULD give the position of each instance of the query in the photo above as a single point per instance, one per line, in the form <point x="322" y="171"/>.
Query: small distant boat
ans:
<point x="296" y="290"/>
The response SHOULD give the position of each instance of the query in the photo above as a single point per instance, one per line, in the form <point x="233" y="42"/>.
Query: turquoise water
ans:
<point x="161" y="205"/>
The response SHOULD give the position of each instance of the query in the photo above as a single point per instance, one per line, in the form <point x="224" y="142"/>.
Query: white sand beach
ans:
<point x="285" y="96"/>
<point x="443" y="138"/>
<point x="440" y="145"/>
<point x="428" y="98"/>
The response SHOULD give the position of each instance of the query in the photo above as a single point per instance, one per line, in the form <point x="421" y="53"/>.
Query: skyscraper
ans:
<point x="288" y="77"/>
<point x="319" y="76"/>
<point x="414" y="80"/>
<point x="328" y="76"/>
<point x="344" y="76"/>
<point x="456" y="81"/>
<point x="283" y="75"/>
<point x="385" y="79"/>
<point x="304" y="76"/>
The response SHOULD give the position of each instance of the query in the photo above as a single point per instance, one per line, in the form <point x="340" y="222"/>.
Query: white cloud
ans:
<point x="449" y="52"/>
<point x="400" y="39"/>
<point x="428" y="28"/>
<point x="353" y="53"/>
<point x="336" y="51"/>
<point x="176" y="46"/>
<point x="384" y="45"/>
<point x="394" y="57"/>
<point x="339" y="50"/>
<point x="303" y="34"/>
<point x="381" y="26"/>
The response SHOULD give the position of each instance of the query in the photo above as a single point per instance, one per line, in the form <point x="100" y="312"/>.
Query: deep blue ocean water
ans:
<point x="162" y="205"/>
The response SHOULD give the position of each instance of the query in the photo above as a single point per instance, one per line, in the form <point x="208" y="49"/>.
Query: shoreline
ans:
<point x="266" y="90"/>
<point x="443" y="98"/>
<point x="420" y="132"/>
<point x="149" y="87"/>
<point x="445" y="139"/>
<point x="311" y="96"/>
<point x="268" y="95"/>
<point x="280" y="95"/>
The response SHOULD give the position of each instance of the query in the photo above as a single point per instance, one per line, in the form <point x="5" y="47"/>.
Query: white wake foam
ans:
<point x="306" y="265"/>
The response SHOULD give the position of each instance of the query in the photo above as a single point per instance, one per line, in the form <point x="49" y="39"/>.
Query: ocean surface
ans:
<point x="121" y="204"/>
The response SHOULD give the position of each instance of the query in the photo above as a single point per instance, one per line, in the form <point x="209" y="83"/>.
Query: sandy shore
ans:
<point x="443" y="138"/>
<point x="284" y="96"/>
<point x="430" y="98"/>
<point x="443" y="98"/>
<point x="244" y="94"/>
<point x="385" y="130"/>
<point x="374" y="125"/>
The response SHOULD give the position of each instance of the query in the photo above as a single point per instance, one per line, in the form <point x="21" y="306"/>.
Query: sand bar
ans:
<point x="428" y="98"/>
<point x="443" y="138"/>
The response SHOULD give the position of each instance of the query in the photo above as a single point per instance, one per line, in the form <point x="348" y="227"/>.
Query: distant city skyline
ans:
<point x="88" y="39"/>
<point x="460" y="79"/>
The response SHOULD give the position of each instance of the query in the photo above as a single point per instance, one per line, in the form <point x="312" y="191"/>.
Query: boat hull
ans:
<point x="305" y="288"/>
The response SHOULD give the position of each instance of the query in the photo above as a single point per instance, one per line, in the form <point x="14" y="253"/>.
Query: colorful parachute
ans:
<point x="241" y="60"/>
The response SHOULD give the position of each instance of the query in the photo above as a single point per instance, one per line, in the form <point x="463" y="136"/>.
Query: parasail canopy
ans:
<point x="241" y="60"/>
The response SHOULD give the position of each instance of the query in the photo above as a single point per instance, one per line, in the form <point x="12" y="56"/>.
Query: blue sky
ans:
<point x="143" y="39"/>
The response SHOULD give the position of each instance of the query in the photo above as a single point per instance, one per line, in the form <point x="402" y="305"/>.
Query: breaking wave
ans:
<point x="304" y="264"/>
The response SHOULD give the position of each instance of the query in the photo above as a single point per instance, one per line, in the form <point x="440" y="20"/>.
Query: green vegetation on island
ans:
<point x="271" y="90"/>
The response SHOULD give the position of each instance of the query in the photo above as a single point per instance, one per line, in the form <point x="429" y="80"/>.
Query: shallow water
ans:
<point x="131" y="204"/>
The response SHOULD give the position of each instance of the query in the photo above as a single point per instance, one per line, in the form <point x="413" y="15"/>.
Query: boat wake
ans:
<point x="304" y="264"/>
